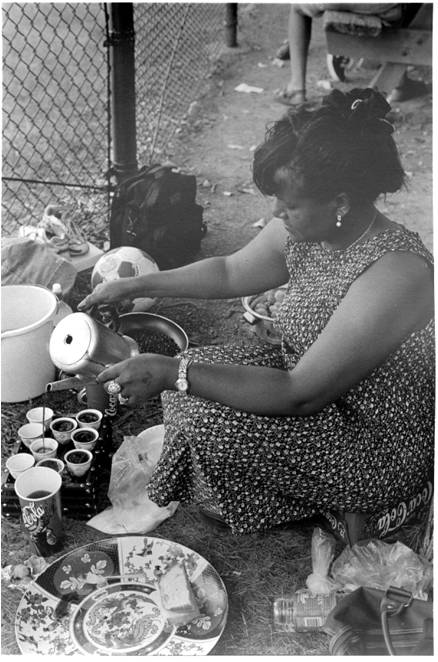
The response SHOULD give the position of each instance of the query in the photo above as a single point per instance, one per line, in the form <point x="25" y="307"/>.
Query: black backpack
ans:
<point x="156" y="211"/>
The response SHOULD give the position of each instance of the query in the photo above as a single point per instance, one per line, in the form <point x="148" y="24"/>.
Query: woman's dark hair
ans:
<point x="344" y="146"/>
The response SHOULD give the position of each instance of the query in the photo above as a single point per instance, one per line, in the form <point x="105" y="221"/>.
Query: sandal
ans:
<point x="294" y="98"/>
<point x="77" y="244"/>
<point x="59" y="244"/>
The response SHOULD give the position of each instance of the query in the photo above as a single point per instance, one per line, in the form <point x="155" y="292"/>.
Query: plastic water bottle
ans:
<point x="63" y="309"/>
<point x="303" y="611"/>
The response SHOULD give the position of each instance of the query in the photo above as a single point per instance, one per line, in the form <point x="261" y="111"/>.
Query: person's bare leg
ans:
<point x="299" y="34"/>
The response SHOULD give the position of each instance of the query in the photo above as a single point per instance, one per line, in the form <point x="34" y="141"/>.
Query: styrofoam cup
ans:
<point x="29" y="432"/>
<point x="50" y="445"/>
<point x="36" y="414"/>
<point x="18" y="463"/>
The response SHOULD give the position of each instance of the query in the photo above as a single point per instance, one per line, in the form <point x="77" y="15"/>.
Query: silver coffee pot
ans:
<point x="82" y="346"/>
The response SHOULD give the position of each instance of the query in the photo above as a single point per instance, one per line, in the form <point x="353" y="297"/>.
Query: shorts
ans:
<point x="390" y="13"/>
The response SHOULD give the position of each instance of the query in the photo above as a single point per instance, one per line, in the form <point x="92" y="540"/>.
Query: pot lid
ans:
<point x="71" y="341"/>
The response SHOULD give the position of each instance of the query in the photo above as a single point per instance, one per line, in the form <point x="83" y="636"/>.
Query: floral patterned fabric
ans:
<point x="360" y="453"/>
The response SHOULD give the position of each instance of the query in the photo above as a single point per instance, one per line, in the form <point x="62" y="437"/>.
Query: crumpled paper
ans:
<point x="248" y="89"/>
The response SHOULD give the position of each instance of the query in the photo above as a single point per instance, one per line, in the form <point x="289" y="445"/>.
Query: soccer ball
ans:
<point x="124" y="262"/>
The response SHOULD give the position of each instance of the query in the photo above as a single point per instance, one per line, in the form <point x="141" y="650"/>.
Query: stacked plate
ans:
<point x="102" y="599"/>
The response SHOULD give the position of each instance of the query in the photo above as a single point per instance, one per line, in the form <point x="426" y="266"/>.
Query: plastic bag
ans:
<point x="20" y="575"/>
<point x="323" y="551"/>
<point x="133" y="463"/>
<point x="381" y="565"/>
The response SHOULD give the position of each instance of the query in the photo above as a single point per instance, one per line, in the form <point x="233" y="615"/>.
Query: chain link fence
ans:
<point x="176" y="44"/>
<point x="56" y="100"/>
<point x="55" y="135"/>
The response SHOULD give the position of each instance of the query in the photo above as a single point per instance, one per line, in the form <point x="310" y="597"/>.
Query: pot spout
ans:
<point x="65" y="384"/>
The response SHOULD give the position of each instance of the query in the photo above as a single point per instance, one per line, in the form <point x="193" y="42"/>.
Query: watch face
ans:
<point x="182" y="384"/>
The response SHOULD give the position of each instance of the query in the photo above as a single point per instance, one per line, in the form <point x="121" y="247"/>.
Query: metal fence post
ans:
<point x="122" y="64"/>
<point x="231" y="13"/>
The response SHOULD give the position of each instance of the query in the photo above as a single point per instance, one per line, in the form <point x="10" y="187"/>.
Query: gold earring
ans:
<point x="338" y="219"/>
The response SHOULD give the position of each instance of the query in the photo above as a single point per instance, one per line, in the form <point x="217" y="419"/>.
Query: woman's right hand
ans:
<point x="109" y="292"/>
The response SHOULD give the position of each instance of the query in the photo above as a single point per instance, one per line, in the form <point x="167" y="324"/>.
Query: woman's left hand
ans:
<point x="141" y="377"/>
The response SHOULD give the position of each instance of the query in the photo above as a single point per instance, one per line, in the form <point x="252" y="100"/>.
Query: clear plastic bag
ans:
<point x="132" y="466"/>
<point x="378" y="564"/>
<point x="323" y="551"/>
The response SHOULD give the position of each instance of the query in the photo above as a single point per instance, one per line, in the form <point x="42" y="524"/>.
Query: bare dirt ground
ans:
<point x="217" y="145"/>
<point x="228" y="124"/>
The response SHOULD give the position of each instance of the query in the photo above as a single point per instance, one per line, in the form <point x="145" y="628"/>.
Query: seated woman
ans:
<point x="299" y="35"/>
<point x="341" y="416"/>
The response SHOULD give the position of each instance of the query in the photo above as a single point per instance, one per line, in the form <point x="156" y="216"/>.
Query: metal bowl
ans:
<point x="155" y="324"/>
<point x="246" y="303"/>
<point x="263" y="324"/>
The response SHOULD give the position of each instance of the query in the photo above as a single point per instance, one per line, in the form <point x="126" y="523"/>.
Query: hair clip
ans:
<point x="356" y="103"/>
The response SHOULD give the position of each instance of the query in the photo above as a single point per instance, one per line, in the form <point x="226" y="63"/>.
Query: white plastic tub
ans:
<point x="26" y="325"/>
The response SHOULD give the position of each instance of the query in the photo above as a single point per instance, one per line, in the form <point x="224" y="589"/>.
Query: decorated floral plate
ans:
<point x="102" y="599"/>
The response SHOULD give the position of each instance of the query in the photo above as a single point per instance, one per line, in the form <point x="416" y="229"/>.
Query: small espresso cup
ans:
<point x="38" y="491"/>
<point x="18" y="463"/>
<point x="52" y="463"/>
<point x="85" y="438"/>
<point x="89" y="418"/>
<point x="78" y="461"/>
<point x="36" y="415"/>
<point x="29" y="432"/>
<point x="44" y="448"/>
<point x="62" y="428"/>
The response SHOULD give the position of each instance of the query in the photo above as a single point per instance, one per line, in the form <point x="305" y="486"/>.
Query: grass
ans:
<point x="256" y="569"/>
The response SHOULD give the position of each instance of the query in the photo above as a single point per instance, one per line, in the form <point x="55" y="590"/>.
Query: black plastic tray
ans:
<point x="82" y="497"/>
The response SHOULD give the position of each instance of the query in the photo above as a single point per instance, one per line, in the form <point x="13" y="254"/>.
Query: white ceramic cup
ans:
<point x="63" y="436"/>
<point x="85" y="413"/>
<point x="29" y="432"/>
<point x="81" y="432"/>
<point x="35" y="415"/>
<point x="18" y="463"/>
<point x="49" y="445"/>
<point x="78" y="469"/>
<point x="52" y="463"/>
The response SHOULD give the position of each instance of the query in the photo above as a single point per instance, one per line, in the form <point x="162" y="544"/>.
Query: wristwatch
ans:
<point x="182" y="383"/>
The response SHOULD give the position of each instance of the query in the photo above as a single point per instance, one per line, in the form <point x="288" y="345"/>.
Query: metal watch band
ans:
<point x="182" y="383"/>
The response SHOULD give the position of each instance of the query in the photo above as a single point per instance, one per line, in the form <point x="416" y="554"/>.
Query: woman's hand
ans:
<point x="141" y="377"/>
<point x="109" y="292"/>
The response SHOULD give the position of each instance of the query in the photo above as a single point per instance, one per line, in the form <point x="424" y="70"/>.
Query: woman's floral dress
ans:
<point x="360" y="453"/>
